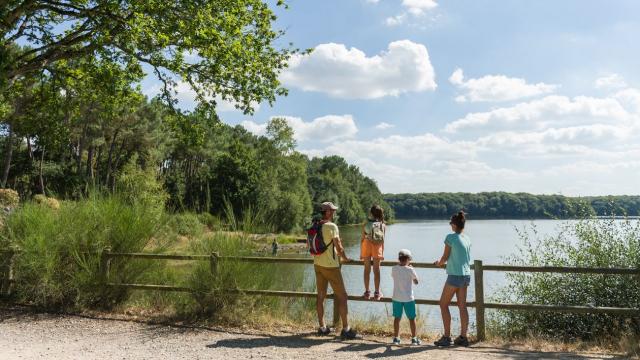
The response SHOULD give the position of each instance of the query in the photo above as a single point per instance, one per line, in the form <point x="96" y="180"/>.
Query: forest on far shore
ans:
<point x="503" y="205"/>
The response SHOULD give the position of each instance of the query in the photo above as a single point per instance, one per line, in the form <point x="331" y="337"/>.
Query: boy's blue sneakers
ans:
<point x="396" y="341"/>
<point x="415" y="341"/>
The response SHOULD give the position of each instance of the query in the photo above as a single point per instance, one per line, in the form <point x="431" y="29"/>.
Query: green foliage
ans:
<point x="223" y="48"/>
<point x="58" y="264"/>
<point x="502" y="205"/>
<point x="590" y="242"/>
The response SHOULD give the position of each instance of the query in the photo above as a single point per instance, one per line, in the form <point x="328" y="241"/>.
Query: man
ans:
<point x="327" y="269"/>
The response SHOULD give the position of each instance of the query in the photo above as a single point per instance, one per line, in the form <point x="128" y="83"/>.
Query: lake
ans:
<point x="492" y="241"/>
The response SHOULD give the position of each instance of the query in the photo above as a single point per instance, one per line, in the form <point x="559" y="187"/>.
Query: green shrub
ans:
<point x="9" y="198"/>
<point x="211" y="221"/>
<point x="590" y="242"/>
<point x="185" y="224"/>
<point x="139" y="185"/>
<point x="59" y="260"/>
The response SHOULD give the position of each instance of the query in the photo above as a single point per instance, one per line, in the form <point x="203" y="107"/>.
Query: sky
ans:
<point x="464" y="96"/>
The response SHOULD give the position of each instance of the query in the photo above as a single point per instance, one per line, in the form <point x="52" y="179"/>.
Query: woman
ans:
<point x="457" y="257"/>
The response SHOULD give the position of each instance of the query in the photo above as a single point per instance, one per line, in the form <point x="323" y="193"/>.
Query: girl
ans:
<point x="371" y="248"/>
<point x="457" y="257"/>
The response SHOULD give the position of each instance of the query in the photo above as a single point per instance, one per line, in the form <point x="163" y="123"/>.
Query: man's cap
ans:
<point x="328" y="206"/>
<point x="405" y="252"/>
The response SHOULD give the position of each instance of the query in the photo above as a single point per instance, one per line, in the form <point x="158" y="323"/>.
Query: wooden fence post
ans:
<point x="213" y="263"/>
<point x="7" y="273"/>
<point x="105" y="261"/>
<point x="479" y="290"/>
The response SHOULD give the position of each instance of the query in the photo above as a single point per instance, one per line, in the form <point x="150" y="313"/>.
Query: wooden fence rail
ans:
<point x="478" y="267"/>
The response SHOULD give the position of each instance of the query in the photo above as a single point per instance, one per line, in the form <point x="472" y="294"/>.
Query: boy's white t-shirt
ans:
<point x="403" y="277"/>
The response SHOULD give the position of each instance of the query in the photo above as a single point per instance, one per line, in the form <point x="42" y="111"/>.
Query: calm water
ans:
<point x="492" y="241"/>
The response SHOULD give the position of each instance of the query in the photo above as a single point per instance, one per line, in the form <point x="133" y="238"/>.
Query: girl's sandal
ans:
<point x="377" y="295"/>
<point x="367" y="295"/>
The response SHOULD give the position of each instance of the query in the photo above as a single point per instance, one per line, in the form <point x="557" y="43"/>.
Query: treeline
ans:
<point x="502" y="205"/>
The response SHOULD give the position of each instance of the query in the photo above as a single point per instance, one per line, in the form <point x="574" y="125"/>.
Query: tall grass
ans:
<point x="590" y="242"/>
<point x="59" y="259"/>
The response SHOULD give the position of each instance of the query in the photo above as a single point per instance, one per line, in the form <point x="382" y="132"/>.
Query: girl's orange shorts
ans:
<point x="369" y="249"/>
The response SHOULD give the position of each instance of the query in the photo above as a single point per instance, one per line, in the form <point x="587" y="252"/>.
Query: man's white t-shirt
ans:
<point x="403" y="277"/>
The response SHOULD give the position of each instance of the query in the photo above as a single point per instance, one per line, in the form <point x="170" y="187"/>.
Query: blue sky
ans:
<point x="432" y="95"/>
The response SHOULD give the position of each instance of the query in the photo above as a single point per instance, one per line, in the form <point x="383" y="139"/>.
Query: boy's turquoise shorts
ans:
<point x="409" y="309"/>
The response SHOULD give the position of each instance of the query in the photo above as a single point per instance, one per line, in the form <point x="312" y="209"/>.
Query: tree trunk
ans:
<point x="8" y="154"/>
<point x="117" y="162"/>
<point x="81" y="144"/>
<point x="96" y="173"/>
<point x="110" y="156"/>
<point x="41" y="178"/>
<point x="89" y="167"/>
<point x="29" y="147"/>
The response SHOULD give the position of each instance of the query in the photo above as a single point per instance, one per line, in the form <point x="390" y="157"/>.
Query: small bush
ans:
<point x="47" y="201"/>
<point x="588" y="243"/>
<point x="9" y="198"/>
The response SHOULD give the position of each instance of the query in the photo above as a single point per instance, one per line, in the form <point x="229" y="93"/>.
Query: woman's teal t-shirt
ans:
<point x="460" y="256"/>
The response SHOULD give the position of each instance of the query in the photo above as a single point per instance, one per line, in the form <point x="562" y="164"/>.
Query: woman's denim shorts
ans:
<point x="458" y="281"/>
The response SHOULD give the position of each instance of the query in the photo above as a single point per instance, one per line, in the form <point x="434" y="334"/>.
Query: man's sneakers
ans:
<point x="443" y="341"/>
<point x="349" y="334"/>
<point x="461" y="341"/>
<point x="324" y="331"/>
<point x="396" y="341"/>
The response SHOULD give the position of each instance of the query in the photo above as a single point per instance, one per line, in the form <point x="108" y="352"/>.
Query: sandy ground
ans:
<point x="28" y="335"/>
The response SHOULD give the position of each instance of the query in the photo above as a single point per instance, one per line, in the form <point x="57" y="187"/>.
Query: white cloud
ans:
<point x="612" y="81"/>
<point x="418" y="7"/>
<point x="411" y="9"/>
<point x="545" y="112"/>
<point x="383" y="126"/>
<point x="496" y="88"/>
<point x="186" y="97"/>
<point x="322" y="129"/>
<point x="351" y="74"/>
<point x="395" y="20"/>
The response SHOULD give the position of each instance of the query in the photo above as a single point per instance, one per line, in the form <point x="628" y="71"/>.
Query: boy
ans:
<point x="403" y="275"/>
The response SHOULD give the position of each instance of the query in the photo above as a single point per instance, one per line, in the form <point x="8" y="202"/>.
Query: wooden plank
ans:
<point x="153" y="287"/>
<point x="563" y="269"/>
<point x="564" y="308"/>
<point x="479" y="295"/>
<point x="159" y="256"/>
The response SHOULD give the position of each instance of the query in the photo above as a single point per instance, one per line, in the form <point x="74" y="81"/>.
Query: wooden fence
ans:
<point x="478" y="268"/>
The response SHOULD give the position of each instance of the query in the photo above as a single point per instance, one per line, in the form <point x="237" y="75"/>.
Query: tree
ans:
<point x="222" y="49"/>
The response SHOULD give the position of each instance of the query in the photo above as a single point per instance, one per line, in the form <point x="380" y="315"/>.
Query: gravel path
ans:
<point x="27" y="335"/>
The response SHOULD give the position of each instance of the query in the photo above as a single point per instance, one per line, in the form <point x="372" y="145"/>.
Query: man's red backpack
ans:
<point x="315" y="241"/>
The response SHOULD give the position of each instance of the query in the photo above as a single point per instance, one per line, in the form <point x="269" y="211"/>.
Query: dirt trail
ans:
<point x="25" y="335"/>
